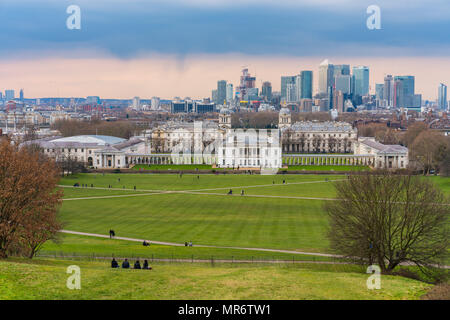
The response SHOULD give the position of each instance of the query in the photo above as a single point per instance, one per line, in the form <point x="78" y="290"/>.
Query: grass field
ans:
<point x="46" y="279"/>
<point x="83" y="246"/>
<point x="169" y="208"/>
<point x="276" y="212"/>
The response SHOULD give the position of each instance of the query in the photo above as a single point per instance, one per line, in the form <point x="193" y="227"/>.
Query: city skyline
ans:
<point x="172" y="48"/>
<point x="194" y="77"/>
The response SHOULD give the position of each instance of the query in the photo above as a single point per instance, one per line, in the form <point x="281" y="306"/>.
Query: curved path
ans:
<point x="201" y="246"/>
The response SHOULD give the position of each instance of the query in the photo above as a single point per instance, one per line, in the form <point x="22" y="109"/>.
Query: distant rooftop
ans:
<point x="322" y="126"/>
<point x="94" y="139"/>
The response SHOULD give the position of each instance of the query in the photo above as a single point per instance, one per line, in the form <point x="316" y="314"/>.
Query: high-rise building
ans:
<point x="361" y="80"/>
<point x="343" y="83"/>
<point x="379" y="89"/>
<point x="21" y="95"/>
<point x="442" y="97"/>
<point x="388" y="91"/>
<point x="1" y="95"/>
<point x="306" y="84"/>
<point x="247" y="82"/>
<point x="326" y="73"/>
<point x="338" y="101"/>
<point x="266" y="91"/>
<point x="404" y="92"/>
<point x="341" y="70"/>
<point x="284" y="83"/>
<point x="221" y="92"/>
<point x="9" y="95"/>
<point x="230" y="92"/>
<point x="214" y="96"/>
<point x="291" y="92"/>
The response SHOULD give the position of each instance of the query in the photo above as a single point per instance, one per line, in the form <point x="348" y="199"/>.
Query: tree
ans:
<point x="413" y="132"/>
<point x="389" y="219"/>
<point x="29" y="200"/>
<point x="428" y="150"/>
<point x="332" y="142"/>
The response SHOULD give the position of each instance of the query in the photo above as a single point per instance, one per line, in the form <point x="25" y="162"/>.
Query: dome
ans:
<point x="285" y="111"/>
<point x="99" y="140"/>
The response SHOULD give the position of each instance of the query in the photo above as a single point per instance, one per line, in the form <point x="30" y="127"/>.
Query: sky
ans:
<point x="182" y="48"/>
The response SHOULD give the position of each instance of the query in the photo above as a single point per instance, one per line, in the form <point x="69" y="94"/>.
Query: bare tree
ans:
<point x="28" y="198"/>
<point x="332" y="142"/>
<point x="428" y="150"/>
<point x="389" y="219"/>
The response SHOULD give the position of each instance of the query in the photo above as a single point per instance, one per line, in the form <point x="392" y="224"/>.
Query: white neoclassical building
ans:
<point x="385" y="156"/>
<point x="250" y="149"/>
<point x="96" y="151"/>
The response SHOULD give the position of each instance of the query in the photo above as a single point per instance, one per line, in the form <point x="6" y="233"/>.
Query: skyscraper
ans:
<point x="214" y="96"/>
<point x="221" y="92"/>
<point x="284" y="83"/>
<point x="388" y="91"/>
<point x="291" y="92"/>
<point x="361" y="80"/>
<point x="306" y="84"/>
<point x="404" y="92"/>
<point x="266" y="91"/>
<point x="9" y="95"/>
<point x="247" y="82"/>
<point x="230" y="92"/>
<point x="326" y="73"/>
<point x="341" y="69"/>
<point x="343" y="83"/>
<point x="338" y="101"/>
<point x="379" y="89"/>
<point x="442" y="97"/>
<point x="21" y="95"/>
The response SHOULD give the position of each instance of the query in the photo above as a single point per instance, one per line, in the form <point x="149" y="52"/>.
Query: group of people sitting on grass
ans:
<point x="186" y="244"/>
<point x="126" y="264"/>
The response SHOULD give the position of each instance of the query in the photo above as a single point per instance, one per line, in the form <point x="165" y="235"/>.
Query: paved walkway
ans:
<point x="200" y="191"/>
<point x="202" y="246"/>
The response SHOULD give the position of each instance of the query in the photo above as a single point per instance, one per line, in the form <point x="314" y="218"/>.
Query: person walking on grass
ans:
<point x="112" y="234"/>
<point x="242" y="192"/>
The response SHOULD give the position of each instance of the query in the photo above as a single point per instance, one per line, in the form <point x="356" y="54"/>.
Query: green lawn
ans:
<point x="84" y="246"/>
<point x="46" y="279"/>
<point x="254" y="220"/>
<point x="187" y="181"/>
<point x="204" y="219"/>
<point x="172" y="167"/>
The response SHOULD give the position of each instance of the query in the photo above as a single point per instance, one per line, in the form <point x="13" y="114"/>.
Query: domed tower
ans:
<point x="225" y="118"/>
<point x="284" y="118"/>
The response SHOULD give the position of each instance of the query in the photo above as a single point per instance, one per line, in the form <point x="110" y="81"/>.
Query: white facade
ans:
<point x="95" y="151"/>
<point x="249" y="149"/>
<point x="386" y="156"/>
